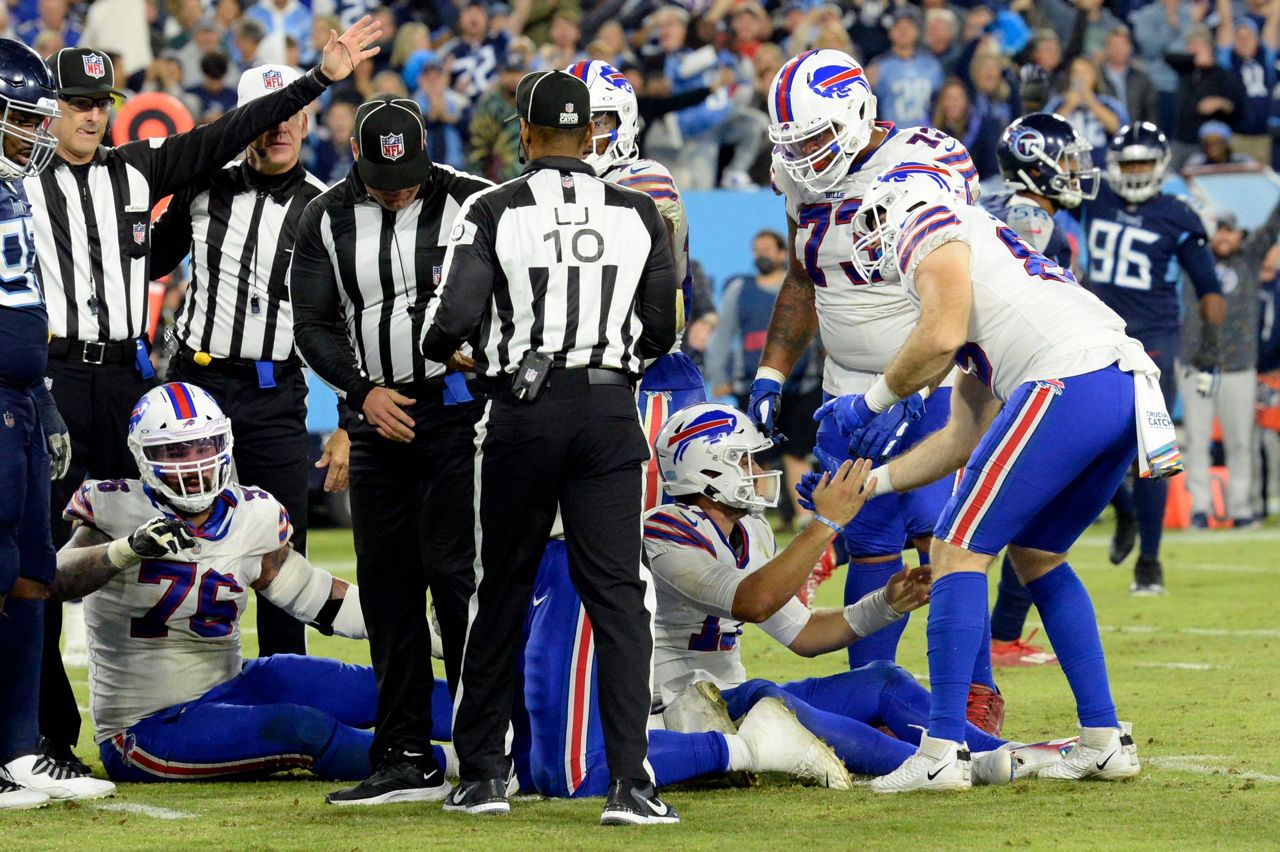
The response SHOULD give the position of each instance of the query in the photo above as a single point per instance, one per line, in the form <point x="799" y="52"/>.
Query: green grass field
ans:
<point x="1194" y="671"/>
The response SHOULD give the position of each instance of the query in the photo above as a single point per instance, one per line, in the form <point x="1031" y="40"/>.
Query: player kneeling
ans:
<point x="165" y="564"/>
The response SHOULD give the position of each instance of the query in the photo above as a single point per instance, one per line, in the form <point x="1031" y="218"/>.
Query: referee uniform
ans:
<point x="234" y="329"/>
<point x="557" y="266"/>
<point x="367" y="260"/>
<point x="93" y="239"/>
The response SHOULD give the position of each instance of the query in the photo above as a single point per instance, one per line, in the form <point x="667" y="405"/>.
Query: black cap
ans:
<point x="391" y="136"/>
<point x="81" y="71"/>
<point x="553" y="99"/>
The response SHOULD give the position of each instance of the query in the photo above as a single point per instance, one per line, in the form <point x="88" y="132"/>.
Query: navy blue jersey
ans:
<point x="24" y="324"/>
<point x="1137" y="253"/>
<point x="1053" y="246"/>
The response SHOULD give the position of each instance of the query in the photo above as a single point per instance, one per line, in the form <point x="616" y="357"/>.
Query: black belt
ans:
<point x="95" y="352"/>
<point x="563" y="379"/>
<point x="238" y="366"/>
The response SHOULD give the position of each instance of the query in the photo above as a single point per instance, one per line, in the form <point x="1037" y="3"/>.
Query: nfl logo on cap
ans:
<point x="140" y="232"/>
<point x="272" y="80"/>
<point x="392" y="145"/>
<point x="93" y="65"/>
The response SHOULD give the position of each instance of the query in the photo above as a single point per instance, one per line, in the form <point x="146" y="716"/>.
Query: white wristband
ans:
<point x="881" y="476"/>
<point x="879" y="397"/>
<point x="770" y="373"/>
<point x="121" y="554"/>
<point x="870" y="614"/>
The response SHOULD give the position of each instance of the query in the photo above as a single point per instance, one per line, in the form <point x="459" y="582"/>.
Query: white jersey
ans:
<point x="167" y="631"/>
<point x="1029" y="319"/>
<point x="862" y="327"/>
<point x="696" y="573"/>
<point x="654" y="180"/>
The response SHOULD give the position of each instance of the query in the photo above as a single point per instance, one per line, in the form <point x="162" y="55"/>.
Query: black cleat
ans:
<point x="1148" y="577"/>
<point x="630" y="803"/>
<point x="398" y="780"/>
<point x="480" y="797"/>
<point x="1124" y="538"/>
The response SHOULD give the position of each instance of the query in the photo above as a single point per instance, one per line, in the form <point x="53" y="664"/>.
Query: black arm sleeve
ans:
<point x="317" y="328"/>
<point x="171" y="234"/>
<point x="656" y="295"/>
<point x="178" y="160"/>
<point x="656" y="107"/>
<point x="470" y="272"/>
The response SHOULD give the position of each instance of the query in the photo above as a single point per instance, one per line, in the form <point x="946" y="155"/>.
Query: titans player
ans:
<point x="29" y="428"/>
<point x="1140" y="241"/>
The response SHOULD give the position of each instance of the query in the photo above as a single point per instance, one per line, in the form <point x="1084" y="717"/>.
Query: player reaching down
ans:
<point x="1043" y="423"/>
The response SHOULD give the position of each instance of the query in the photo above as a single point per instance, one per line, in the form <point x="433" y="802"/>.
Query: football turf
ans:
<point x="1194" y="671"/>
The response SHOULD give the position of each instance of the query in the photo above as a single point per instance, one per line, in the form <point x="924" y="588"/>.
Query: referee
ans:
<point x="92" y="232"/>
<point x="563" y="284"/>
<point x="234" y="329"/>
<point x="369" y="252"/>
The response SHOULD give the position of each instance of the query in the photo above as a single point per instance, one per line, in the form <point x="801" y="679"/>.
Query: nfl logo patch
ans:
<point x="94" y="66"/>
<point x="435" y="274"/>
<point x="140" y="232"/>
<point x="272" y="79"/>
<point x="392" y="145"/>
<point x="8" y="419"/>
<point x="570" y="108"/>
<point x="566" y="181"/>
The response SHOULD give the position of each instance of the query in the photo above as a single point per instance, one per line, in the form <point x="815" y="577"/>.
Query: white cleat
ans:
<point x="75" y="647"/>
<point x="15" y="797"/>
<point x="936" y="765"/>
<point x="56" y="779"/>
<point x="699" y="708"/>
<point x="992" y="768"/>
<point x="779" y="743"/>
<point x="1030" y="758"/>
<point x="1105" y="754"/>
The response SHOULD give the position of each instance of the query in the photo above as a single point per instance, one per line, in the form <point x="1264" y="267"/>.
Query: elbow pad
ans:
<point x="304" y="591"/>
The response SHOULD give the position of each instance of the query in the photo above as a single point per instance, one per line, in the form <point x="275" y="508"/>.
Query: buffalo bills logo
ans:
<point x="616" y="77"/>
<point x="710" y="427"/>
<point x="907" y="171"/>
<point x="392" y="145"/>
<point x="94" y="66"/>
<point x="837" y="81"/>
<point x="1027" y="144"/>
<point x="139" y="410"/>
<point x="140" y="232"/>
<point x="272" y="80"/>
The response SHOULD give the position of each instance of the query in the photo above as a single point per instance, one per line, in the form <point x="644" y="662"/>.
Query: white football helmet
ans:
<point x="821" y="114"/>
<point x="710" y="449"/>
<point x="181" y="441"/>
<point x="887" y="205"/>
<point x="610" y="92"/>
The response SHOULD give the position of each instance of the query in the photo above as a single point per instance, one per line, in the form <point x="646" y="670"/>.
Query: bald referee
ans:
<point x="563" y="284"/>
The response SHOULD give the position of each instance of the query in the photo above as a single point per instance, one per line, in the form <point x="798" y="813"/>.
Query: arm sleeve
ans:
<point x="929" y="229"/>
<point x="785" y="624"/>
<point x="171" y="234"/>
<point x="656" y="295"/>
<point x="720" y="349"/>
<point x="317" y="327"/>
<point x="470" y="269"/>
<point x="698" y="576"/>
<point x="1196" y="259"/>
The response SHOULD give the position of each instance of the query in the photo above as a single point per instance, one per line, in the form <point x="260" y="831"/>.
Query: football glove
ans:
<point x="884" y="434"/>
<point x="56" y="434"/>
<point x="160" y="537"/>
<point x="808" y="482"/>
<point x="850" y="411"/>
<point x="764" y="402"/>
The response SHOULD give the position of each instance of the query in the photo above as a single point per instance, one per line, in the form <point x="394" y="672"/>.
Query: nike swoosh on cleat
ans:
<point x="1103" y="764"/>
<point x="539" y="601"/>
<point x="933" y="775"/>
<point x="659" y="811"/>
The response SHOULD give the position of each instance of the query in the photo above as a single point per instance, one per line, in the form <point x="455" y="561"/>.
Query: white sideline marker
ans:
<point x="1197" y="763"/>
<point x="1189" y="667"/>
<point x="144" y="810"/>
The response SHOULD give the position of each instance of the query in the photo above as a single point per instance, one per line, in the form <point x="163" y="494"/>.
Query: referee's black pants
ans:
<point x="96" y="401"/>
<point x="412" y="516"/>
<point x="269" y="431"/>
<point x="579" y="446"/>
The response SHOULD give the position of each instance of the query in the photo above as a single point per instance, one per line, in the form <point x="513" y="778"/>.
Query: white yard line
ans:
<point x="144" y="810"/>
<point x="1189" y="667"/>
<point x="1207" y="764"/>
<point x="1261" y="633"/>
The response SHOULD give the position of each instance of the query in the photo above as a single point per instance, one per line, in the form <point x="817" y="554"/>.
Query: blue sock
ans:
<point x="982" y="665"/>
<point x="677" y="757"/>
<point x="904" y="709"/>
<point x="862" y="579"/>
<point x="956" y="630"/>
<point x="1150" y="495"/>
<point x="1072" y="627"/>
<point x="1009" y="617"/>
<point x="21" y="639"/>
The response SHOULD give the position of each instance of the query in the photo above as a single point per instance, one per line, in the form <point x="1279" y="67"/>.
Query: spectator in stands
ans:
<point x="411" y="38"/>
<point x="992" y="95"/>
<point x="181" y="22"/>
<point x="213" y="96"/>
<point x="281" y="19"/>
<point x="1161" y="27"/>
<point x="703" y="318"/>
<point x="904" y="78"/>
<point x="1206" y="92"/>
<point x="749" y="29"/>
<point x="614" y="41"/>
<point x="942" y="37"/>
<point x="953" y="113"/>
<point x="205" y="39"/>
<point x="474" y="54"/>
<point x="121" y="28"/>
<point x="1125" y="81"/>
<point x="1216" y="147"/>
<point x="443" y="109"/>
<point x="246" y="44"/>
<point x="1239" y="257"/>
<point x="164" y="74"/>
<point x="1250" y="55"/>
<point x="1094" y="115"/>
<point x="320" y="27"/>
<point x="493" y="151"/>
<point x="54" y="17"/>
<point x="48" y="43"/>
<point x="389" y="83"/>
<point x="562" y="50"/>
<point x="1045" y="52"/>
<point x="1094" y="23"/>
<point x="332" y="159"/>
<point x="533" y="17"/>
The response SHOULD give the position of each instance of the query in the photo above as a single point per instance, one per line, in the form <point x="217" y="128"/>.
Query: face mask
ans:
<point x="766" y="265"/>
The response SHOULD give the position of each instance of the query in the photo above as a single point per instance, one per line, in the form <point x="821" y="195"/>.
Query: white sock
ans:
<point x="450" y="761"/>
<point x="739" y="753"/>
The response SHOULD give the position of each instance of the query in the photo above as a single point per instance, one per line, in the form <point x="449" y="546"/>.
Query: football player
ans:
<point x="829" y="147"/>
<point x="1140" y="241"/>
<point x="1054" y="402"/>
<point x="165" y="564"/>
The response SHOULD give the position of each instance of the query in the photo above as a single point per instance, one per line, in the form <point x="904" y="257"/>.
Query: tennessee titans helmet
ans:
<point x="1142" y="142"/>
<point x="1043" y="154"/>
<point x="28" y="102"/>
<point x="610" y="92"/>
<point x="709" y="449"/>
<point x="821" y="114"/>
<point x="181" y="441"/>
<point x="895" y="194"/>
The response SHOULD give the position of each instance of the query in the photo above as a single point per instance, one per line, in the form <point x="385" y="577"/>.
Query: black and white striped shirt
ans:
<point x="560" y="262"/>
<point x="93" y="221"/>
<point x="239" y="226"/>
<point x="375" y="270"/>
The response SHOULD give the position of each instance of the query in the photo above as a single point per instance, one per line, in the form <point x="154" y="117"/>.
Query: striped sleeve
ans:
<point x="923" y="233"/>
<point x="960" y="160"/>
<point x="654" y="184"/>
<point x="665" y="531"/>
<point x="80" y="508"/>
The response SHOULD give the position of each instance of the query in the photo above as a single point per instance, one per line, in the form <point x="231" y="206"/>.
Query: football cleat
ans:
<point x="985" y="709"/>
<point x="993" y="768"/>
<point x="1148" y="577"/>
<point x="1105" y="754"/>
<point x="15" y="797"/>
<point x="1030" y="758"/>
<point x="1020" y="652"/>
<point x="399" y="781"/>
<point x="630" y="803"/>
<point x="936" y="765"/>
<point x="57" y="779"/>
<point x="1124" y="537"/>
<point x="779" y="743"/>
<point x="699" y="708"/>
<point x="480" y="797"/>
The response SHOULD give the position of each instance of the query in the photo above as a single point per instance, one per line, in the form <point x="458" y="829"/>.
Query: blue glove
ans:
<point x="763" y="405"/>
<point x="884" y="434"/>
<point x="851" y="413"/>
<point x="804" y="488"/>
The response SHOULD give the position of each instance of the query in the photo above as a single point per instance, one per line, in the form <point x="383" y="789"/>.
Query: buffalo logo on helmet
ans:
<point x="94" y="66"/>
<point x="837" y="81"/>
<point x="392" y="145"/>
<point x="140" y="232"/>
<point x="711" y="426"/>
<point x="1027" y="143"/>
<point x="617" y="78"/>
<point x="138" y="411"/>
<point x="905" y="172"/>
<point x="272" y="79"/>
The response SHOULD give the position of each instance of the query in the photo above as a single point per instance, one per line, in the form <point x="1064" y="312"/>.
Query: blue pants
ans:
<point x="280" y="712"/>
<point x="559" y="745"/>
<point x="671" y="383"/>
<point x="26" y="550"/>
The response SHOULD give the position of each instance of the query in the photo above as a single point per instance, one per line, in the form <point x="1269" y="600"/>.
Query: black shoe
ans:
<point x="1148" y="577"/>
<point x="1124" y="538"/>
<point x="632" y="804"/>
<point x="480" y="797"/>
<point x="399" y="780"/>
